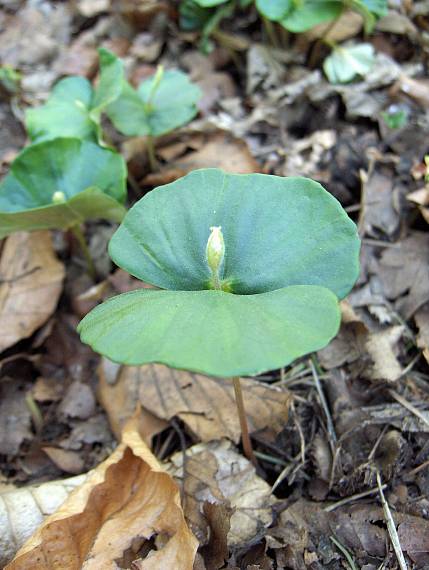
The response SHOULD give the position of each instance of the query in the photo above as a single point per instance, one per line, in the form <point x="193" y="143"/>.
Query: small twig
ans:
<point x="377" y="443"/>
<point x="350" y="499"/>
<point x="324" y="404"/>
<point x="300" y="432"/>
<point x="247" y="444"/>
<point x="344" y="551"/>
<point x="391" y="528"/>
<point x="270" y="458"/>
<point x="182" y="440"/>
<point x="416" y="470"/>
<point x="401" y="400"/>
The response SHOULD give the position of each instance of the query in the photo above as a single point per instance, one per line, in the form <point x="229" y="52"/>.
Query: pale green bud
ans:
<point x="58" y="197"/>
<point x="215" y="250"/>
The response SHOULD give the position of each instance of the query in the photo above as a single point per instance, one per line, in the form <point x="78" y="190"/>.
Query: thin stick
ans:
<point x="352" y="498"/>
<point x="247" y="444"/>
<point x="77" y="232"/>
<point x="150" y="147"/>
<point x="324" y="403"/>
<point x="408" y="406"/>
<point x="346" y="553"/>
<point x="391" y="527"/>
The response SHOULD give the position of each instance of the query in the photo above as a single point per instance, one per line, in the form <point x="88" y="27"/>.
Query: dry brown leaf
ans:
<point x="421" y="198"/>
<point x="375" y="353"/>
<point x="422" y="321"/>
<point x="215" y="472"/>
<point x="118" y="393"/>
<point x="66" y="460"/>
<point x="381" y="347"/>
<point x="205" y="404"/>
<point x="220" y="150"/>
<point x="404" y="273"/>
<point x="31" y="279"/>
<point x="23" y="510"/>
<point x="127" y="497"/>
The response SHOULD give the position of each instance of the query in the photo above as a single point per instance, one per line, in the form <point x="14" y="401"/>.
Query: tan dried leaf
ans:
<point x="215" y="472"/>
<point x="205" y="404"/>
<point x="220" y="150"/>
<point x="23" y="510"/>
<point x="31" y="279"/>
<point x="118" y="393"/>
<point x="126" y="498"/>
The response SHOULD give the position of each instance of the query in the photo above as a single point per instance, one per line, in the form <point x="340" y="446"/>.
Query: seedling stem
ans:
<point x="215" y="254"/>
<point x="153" y="163"/>
<point x="247" y="444"/>
<point x="78" y="234"/>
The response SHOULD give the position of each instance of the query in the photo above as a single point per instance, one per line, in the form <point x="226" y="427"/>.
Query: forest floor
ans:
<point x="342" y="438"/>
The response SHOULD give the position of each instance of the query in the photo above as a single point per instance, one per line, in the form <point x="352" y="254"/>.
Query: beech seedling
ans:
<point x="74" y="107"/>
<point x="250" y="268"/>
<point x="60" y="184"/>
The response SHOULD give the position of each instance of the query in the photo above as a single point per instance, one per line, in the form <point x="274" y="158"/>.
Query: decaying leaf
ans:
<point x="374" y="352"/>
<point x="23" y="510"/>
<point x="404" y="273"/>
<point x="118" y="393"/>
<point x="15" y="418"/>
<point x="215" y="472"/>
<point x="31" y="280"/>
<point x="219" y="151"/>
<point x="422" y="321"/>
<point x="380" y="212"/>
<point x="127" y="498"/>
<point x="205" y="404"/>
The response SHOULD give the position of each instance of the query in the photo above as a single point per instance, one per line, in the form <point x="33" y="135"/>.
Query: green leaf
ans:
<point x="310" y="13"/>
<point x="213" y="332"/>
<point x="74" y="108"/>
<point x="192" y="16"/>
<point x="274" y="10"/>
<point x="90" y="179"/>
<point x="377" y="7"/>
<point x="278" y="232"/>
<point x="65" y="114"/>
<point x="110" y="85"/>
<point x="345" y="63"/>
<point x="210" y="3"/>
<point x="155" y="111"/>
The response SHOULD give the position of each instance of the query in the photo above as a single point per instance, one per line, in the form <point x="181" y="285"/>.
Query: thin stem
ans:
<point x="271" y="32"/>
<point x="77" y="232"/>
<point x="153" y="163"/>
<point x="247" y="444"/>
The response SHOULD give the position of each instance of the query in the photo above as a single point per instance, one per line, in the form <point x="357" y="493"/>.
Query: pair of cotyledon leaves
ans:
<point x="74" y="108"/>
<point x="290" y="253"/>
<point x="302" y="15"/>
<point x="89" y="180"/>
<point x="66" y="162"/>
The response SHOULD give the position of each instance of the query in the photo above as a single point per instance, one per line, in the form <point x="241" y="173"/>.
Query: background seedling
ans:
<point x="74" y="108"/>
<point x="60" y="184"/>
<point x="160" y="104"/>
<point x="252" y="267"/>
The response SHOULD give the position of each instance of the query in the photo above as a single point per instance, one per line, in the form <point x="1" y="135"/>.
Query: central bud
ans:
<point x="215" y="253"/>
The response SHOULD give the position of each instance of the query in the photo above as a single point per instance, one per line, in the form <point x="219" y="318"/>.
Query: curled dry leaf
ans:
<point x="205" y="404"/>
<point x="31" y="279"/>
<point x="127" y="498"/>
<point x="215" y="472"/>
<point x="23" y="510"/>
<point x="355" y="342"/>
<point x="220" y="150"/>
